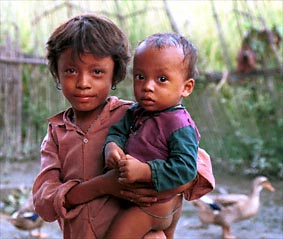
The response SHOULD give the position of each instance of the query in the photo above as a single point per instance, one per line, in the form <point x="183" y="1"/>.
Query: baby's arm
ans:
<point x="132" y="170"/>
<point x="163" y="174"/>
<point x="181" y="165"/>
<point x="116" y="139"/>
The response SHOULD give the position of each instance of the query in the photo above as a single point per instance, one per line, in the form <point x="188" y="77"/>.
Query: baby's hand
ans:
<point x="132" y="170"/>
<point x="113" y="154"/>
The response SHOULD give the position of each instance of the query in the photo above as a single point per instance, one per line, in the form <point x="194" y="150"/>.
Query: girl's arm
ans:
<point x="107" y="184"/>
<point x="53" y="198"/>
<point x="136" y="194"/>
<point x="48" y="189"/>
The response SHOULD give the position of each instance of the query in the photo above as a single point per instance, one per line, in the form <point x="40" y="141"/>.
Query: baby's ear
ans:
<point x="188" y="87"/>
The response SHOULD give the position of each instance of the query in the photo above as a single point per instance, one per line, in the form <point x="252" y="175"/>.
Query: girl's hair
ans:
<point x="162" y="40"/>
<point x="89" y="34"/>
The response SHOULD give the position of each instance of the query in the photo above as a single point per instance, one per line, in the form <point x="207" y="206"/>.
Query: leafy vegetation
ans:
<point x="249" y="127"/>
<point x="241" y="123"/>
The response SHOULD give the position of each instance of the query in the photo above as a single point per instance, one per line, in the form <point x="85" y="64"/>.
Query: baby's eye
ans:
<point x="162" y="78"/>
<point x="139" y="77"/>
<point x="97" y="72"/>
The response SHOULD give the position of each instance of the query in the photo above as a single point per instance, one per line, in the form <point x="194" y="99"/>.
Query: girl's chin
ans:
<point x="84" y="109"/>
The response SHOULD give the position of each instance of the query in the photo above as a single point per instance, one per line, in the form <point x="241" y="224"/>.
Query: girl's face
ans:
<point x="85" y="81"/>
<point x="160" y="77"/>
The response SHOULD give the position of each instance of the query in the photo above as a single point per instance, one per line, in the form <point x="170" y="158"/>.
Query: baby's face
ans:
<point x="160" y="77"/>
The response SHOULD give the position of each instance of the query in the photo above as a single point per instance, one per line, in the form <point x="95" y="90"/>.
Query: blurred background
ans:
<point x="237" y="101"/>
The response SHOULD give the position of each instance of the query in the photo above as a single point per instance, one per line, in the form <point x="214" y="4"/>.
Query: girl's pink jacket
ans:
<point x="69" y="156"/>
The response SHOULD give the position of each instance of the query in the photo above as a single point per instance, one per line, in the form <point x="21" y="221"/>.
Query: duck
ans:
<point x="224" y="209"/>
<point x="27" y="219"/>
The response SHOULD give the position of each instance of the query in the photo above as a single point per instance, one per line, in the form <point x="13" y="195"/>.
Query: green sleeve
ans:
<point x="180" y="167"/>
<point x="119" y="132"/>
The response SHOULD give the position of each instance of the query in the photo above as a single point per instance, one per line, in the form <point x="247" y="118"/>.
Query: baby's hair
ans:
<point x="89" y="34"/>
<point x="162" y="40"/>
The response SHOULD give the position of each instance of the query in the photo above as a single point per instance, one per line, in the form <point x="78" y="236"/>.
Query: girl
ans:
<point x="87" y="56"/>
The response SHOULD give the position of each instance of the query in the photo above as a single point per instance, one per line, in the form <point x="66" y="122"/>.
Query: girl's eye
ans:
<point x="162" y="79"/>
<point x="70" y="71"/>
<point x="139" y="77"/>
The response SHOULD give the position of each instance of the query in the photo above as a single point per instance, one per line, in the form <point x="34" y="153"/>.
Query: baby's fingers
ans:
<point x="123" y="176"/>
<point x="111" y="164"/>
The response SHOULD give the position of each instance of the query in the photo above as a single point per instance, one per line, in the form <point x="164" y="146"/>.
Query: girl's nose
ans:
<point x="83" y="81"/>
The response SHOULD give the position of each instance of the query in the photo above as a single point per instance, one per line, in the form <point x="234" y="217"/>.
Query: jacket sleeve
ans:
<point x="119" y="132"/>
<point x="181" y="165"/>
<point x="48" y="189"/>
<point x="205" y="181"/>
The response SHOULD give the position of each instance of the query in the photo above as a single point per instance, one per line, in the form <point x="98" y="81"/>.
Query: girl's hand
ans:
<point x="140" y="194"/>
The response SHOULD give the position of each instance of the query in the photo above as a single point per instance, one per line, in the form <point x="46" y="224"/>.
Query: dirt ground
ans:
<point x="267" y="224"/>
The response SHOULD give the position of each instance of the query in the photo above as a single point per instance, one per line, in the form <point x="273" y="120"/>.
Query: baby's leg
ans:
<point x="135" y="222"/>
<point x="131" y="224"/>
<point x="169" y="232"/>
<point x="155" y="235"/>
<point x="173" y="209"/>
<point x="165" y="216"/>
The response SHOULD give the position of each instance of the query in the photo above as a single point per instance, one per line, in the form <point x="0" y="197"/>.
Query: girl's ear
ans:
<point x="188" y="87"/>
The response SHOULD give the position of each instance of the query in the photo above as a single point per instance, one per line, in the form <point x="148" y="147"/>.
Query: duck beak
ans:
<point x="269" y="187"/>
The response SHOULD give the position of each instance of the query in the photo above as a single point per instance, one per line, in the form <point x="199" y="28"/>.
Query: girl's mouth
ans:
<point x="83" y="98"/>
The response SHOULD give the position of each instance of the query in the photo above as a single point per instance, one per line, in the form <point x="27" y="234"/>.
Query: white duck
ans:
<point x="225" y="209"/>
